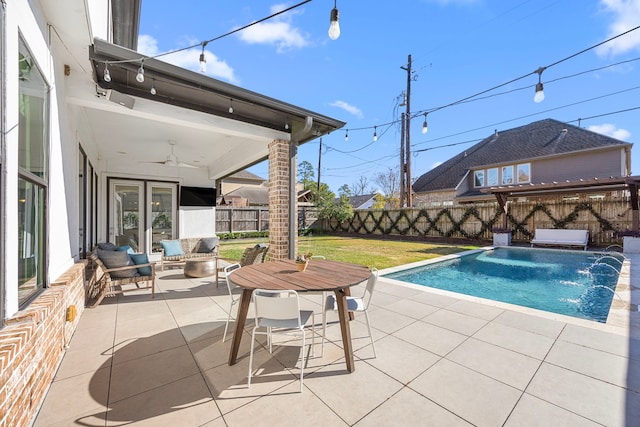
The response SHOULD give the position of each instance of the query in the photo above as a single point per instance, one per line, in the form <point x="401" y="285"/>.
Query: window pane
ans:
<point x="492" y="177"/>
<point x="524" y="172"/>
<point x="162" y="221"/>
<point x="507" y="175"/>
<point x="33" y="124"/>
<point x="30" y="239"/>
<point x="479" y="179"/>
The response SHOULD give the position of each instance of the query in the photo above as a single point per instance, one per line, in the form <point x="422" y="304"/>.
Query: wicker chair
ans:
<point x="253" y="255"/>
<point x="101" y="284"/>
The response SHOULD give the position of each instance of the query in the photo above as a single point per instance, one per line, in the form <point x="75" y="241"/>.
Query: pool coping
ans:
<point x="620" y="314"/>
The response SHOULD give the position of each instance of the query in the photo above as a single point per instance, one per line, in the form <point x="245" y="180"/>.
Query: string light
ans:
<point x="140" y="76"/>
<point x="346" y="135"/>
<point x="424" y="125"/>
<point x="230" y="106"/>
<point x="375" y="133"/>
<point x="107" y="74"/>
<point x="334" y="26"/>
<point x="286" y="124"/>
<point x="203" y="60"/>
<point x="539" y="96"/>
<point x="153" y="87"/>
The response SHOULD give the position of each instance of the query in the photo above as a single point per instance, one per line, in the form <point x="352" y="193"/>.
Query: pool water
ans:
<point x="574" y="283"/>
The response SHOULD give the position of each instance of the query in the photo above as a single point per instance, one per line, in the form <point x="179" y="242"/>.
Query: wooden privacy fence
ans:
<point x="245" y="219"/>
<point x="603" y="218"/>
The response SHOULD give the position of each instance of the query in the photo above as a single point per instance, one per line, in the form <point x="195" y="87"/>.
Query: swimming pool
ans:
<point x="574" y="283"/>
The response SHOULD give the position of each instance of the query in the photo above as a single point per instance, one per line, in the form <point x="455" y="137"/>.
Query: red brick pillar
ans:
<point x="282" y="170"/>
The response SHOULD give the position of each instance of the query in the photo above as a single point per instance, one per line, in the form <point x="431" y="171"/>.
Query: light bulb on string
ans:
<point x="346" y="135"/>
<point x="230" y="106"/>
<point x="539" y="96"/>
<point x="107" y="74"/>
<point x="286" y="124"/>
<point x="153" y="87"/>
<point x="203" y="59"/>
<point x="140" y="76"/>
<point x="334" y="26"/>
<point x="375" y="133"/>
<point x="424" y="125"/>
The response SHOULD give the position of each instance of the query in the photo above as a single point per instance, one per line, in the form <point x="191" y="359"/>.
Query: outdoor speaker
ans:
<point x="120" y="98"/>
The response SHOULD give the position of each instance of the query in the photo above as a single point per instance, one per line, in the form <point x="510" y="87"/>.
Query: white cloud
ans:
<point x="611" y="130"/>
<point x="278" y="31"/>
<point x="626" y="15"/>
<point x="348" y="108"/>
<point x="189" y="59"/>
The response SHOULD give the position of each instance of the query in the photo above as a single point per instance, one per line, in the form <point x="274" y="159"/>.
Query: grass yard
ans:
<point x="372" y="252"/>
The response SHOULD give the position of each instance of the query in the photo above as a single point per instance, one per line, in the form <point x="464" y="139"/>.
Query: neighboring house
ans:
<point x="364" y="201"/>
<point x="525" y="160"/>
<point x="91" y="152"/>
<point x="239" y="179"/>
<point x="247" y="196"/>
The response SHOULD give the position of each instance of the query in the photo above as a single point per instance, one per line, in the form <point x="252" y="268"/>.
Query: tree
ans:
<point x="361" y="187"/>
<point x="306" y="175"/>
<point x="344" y="190"/>
<point x="379" y="202"/>
<point x="390" y="186"/>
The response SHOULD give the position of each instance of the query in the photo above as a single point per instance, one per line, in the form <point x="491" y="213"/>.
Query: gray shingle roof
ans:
<point x="357" y="201"/>
<point x="538" y="139"/>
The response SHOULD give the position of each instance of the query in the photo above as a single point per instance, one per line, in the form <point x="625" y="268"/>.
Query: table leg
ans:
<point x="343" y="314"/>
<point x="241" y="317"/>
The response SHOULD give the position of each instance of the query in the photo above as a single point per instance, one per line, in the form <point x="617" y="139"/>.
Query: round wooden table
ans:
<point x="320" y="275"/>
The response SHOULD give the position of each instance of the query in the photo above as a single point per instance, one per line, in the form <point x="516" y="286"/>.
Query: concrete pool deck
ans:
<point x="442" y="359"/>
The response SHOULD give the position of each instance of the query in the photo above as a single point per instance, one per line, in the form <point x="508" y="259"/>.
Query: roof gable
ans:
<point x="544" y="138"/>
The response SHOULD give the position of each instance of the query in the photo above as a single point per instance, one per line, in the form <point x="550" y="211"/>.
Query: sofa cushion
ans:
<point x="126" y="248"/>
<point x="207" y="244"/>
<point x="116" y="259"/>
<point x="141" y="259"/>
<point x="172" y="248"/>
<point x="107" y="246"/>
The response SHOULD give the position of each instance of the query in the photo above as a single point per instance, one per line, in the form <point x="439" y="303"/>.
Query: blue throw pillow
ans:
<point x="172" y="248"/>
<point x="126" y="248"/>
<point x="141" y="259"/>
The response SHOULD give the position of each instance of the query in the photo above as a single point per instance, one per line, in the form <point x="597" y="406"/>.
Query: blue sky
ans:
<point x="459" y="48"/>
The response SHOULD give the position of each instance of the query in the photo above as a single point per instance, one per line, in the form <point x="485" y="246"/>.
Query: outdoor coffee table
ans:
<point x="320" y="275"/>
<point x="200" y="267"/>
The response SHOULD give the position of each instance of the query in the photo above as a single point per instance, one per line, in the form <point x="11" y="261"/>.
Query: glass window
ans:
<point x="507" y="175"/>
<point x="524" y="172"/>
<point x="492" y="177"/>
<point x="33" y="161"/>
<point x="478" y="180"/>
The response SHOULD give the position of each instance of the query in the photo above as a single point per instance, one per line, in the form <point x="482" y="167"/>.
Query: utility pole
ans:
<point x="319" y="160"/>
<point x="402" y="159"/>
<point x="405" y="165"/>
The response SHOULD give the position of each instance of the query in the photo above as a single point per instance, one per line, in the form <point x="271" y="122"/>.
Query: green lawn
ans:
<point x="372" y="252"/>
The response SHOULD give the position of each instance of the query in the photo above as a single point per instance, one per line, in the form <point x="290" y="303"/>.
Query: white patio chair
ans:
<point x="279" y="312"/>
<point x="354" y="304"/>
<point x="234" y="298"/>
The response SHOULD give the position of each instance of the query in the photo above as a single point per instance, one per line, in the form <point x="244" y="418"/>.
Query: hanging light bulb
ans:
<point x="230" y="106"/>
<point x="334" y="26"/>
<point x="375" y="133"/>
<point x="140" y="76"/>
<point x="107" y="74"/>
<point x="286" y="124"/>
<point x="346" y="135"/>
<point x="203" y="59"/>
<point x="424" y="125"/>
<point x="539" y="96"/>
<point x="153" y="87"/>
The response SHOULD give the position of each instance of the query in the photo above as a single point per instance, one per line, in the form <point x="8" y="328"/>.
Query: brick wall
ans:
<point x="279" y="200"/>
<point x="32" y="344"/>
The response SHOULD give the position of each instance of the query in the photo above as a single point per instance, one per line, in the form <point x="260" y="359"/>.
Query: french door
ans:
<point x="142" y="213"/>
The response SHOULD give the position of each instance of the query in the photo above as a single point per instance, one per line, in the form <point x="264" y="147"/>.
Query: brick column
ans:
<point x="280" y="200"/>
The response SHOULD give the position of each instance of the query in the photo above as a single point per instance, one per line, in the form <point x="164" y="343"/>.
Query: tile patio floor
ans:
<point x="442" y="360"/>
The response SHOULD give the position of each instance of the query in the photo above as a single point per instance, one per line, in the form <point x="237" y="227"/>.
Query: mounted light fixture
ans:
<point x="140" y="76"/>
<point x="334" y="26"/>
<point x="230" y="106"/>
<point x="107" y="74"/>
<point x="424" y="125"/>
<point x="539" y="96"/>
<point x="153" y="87"/>
<point x="203" y="59"/>
<point x="375" y="133"/>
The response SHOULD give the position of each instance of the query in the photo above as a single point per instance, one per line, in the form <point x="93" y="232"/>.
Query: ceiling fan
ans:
<point x="172" y="160"/>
